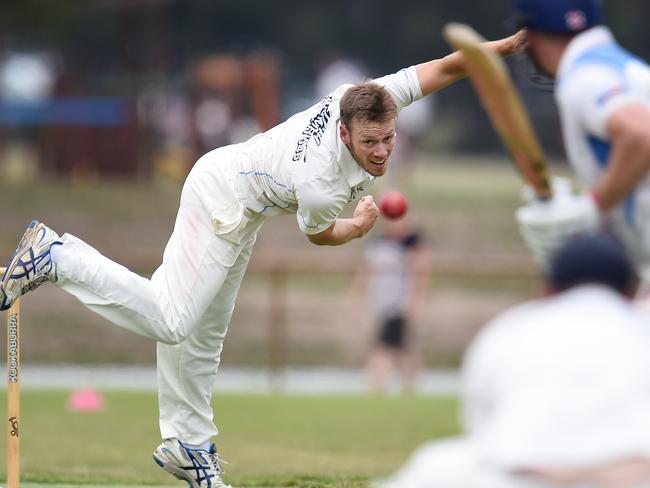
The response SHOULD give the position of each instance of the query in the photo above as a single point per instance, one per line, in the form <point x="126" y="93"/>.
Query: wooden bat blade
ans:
<point x="499" y="97"/>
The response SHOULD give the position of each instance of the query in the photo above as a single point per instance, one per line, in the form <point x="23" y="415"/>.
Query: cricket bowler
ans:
<point x="312" y="165"/>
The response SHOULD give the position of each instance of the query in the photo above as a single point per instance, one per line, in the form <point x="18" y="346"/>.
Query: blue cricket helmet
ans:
<point x="558" y="16"/>
<point x="594" y="258"/>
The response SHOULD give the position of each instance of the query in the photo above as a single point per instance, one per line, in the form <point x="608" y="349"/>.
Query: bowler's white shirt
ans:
<point x="301" y="166"/>
<point x="595" y="78"/>
<point x="562" y="381"/>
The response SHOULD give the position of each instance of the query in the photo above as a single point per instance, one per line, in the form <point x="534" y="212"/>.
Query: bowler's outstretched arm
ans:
<point x="439" y="73"/>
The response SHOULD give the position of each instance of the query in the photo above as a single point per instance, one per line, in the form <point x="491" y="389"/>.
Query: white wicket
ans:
<point x="13" y="394"/>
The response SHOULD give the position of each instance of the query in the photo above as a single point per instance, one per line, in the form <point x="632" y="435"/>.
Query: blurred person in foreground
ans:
<point x="311" y="165"/>
<point x="394" y="276"/>
<point x="556" y="391"/>
<point x="603" y="96"/>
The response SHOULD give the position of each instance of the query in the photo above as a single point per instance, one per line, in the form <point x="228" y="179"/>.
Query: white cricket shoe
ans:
<point x="201" y="468"/>
<point x="30" y="265"/>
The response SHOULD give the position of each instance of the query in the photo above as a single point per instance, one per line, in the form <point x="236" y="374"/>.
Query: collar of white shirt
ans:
<point x="354" y="174"/>
<point x="582" y="42"/>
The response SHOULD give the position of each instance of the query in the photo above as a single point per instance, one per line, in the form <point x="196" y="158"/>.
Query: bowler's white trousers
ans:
<point x="187" y="304"/>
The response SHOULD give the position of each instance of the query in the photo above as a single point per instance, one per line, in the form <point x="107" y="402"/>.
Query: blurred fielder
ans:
<point x="312" y="165"/>
<point x="394" y="277"/>
<point x="603" y="96"/>
<point x="555" y="392"/>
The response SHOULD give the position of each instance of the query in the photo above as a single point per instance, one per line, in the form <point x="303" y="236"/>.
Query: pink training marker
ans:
<point x="86" y="400"/>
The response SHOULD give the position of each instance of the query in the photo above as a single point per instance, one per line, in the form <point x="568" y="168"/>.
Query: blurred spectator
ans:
<point x="334" y="70"/>
<point x="168" y="115"/>
<point x="218" y="96"/>
<point x="27" y="79"/>
<point x="556" y="391"/>
<point x="264" y="86"/>
<point x="395" y="279"/>
<point x="27" y="76"/>
<point x="231" y="98"/>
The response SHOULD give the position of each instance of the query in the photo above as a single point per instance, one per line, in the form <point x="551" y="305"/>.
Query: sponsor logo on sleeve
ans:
<point x="314" y="130"/>
<point x="609" y="94"/>
<point x="354" y="192"/>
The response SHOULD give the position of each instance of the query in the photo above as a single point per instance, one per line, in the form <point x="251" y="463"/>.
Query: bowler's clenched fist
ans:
<point x="366" y="213"/>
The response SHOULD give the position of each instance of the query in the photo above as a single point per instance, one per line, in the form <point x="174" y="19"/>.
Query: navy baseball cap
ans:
<point x="596" y="259"/>
<point x="558" y="16"/>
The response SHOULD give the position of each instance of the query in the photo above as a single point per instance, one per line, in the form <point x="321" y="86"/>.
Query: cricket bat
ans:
<point x="489" y="76"/>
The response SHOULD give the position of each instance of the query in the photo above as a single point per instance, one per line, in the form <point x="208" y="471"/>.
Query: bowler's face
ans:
<point x="370" y="144"/>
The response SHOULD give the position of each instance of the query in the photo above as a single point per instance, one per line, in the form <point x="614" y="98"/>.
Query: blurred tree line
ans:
<point x="118" y="47"/>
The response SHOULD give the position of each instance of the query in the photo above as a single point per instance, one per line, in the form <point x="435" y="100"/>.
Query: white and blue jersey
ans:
<point x="596" y="77"/>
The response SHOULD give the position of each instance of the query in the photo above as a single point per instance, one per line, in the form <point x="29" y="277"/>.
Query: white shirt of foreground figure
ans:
<point x="556" y="385"/>
<point x="561" y="381"/>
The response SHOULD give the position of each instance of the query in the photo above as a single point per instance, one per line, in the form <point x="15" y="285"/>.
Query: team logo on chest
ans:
<point x="315" y="129"/>
<point x="354" y="192"/>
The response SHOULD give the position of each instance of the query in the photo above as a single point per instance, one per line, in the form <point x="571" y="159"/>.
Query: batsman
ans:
<point x="603" y="96"/>
<point x="311" y="165"/>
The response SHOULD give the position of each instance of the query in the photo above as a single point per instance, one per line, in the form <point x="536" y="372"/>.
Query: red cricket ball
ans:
<point x="393" y="205"/>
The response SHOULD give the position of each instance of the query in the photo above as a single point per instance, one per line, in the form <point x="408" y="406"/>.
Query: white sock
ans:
<point x="55" y="250"/>
<point x="205" y="446"/>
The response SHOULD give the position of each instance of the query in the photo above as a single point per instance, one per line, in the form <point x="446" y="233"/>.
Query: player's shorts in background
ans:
<point x="393" y="332"/>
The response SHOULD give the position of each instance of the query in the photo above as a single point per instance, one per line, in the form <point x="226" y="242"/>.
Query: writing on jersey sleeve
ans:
<point x="606" y="77"/>
<point x="314" y="130"/>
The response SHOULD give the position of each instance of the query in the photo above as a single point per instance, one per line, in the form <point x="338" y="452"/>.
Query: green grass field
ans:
<point x="268" y="440"/>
